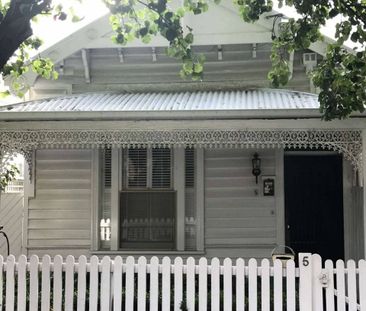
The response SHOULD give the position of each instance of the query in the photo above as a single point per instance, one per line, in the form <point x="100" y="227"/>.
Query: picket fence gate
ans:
<point x="129" y="284"/>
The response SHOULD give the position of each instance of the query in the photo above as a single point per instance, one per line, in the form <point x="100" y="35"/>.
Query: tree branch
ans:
<point x="15" y="28"/>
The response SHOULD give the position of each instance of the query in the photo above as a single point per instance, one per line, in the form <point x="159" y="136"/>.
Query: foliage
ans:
<point x="17" y="40"/>
<point x="7" y="175"/>
<point x="340" y="77"/>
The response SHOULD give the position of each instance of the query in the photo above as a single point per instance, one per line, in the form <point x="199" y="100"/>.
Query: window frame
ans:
<point x="177" y="184"/>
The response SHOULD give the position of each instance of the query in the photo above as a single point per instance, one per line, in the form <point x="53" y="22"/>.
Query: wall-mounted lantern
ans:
<point x="256" y="164"/>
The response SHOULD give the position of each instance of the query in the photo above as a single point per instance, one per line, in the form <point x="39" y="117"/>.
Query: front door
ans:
<point x="314" y="204"/>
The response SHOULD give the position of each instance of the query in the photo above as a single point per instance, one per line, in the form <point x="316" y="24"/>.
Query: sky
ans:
<point x="89" y="9"/>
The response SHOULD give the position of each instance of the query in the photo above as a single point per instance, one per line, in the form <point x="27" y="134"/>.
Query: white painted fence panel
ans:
<point x="135" y="284"/>
<point x="165" y="287"/>
<point x="240" y="284"/>
<point x="253" y="285"/>
<point x="191" y="292"/>
<point x="341" y="288"/>
<point x="10" y="282"/>
<point x="33" y="291"/>
<point x="202" y="287"/>
<point x="130" y="283"/>
<point x="329" y="291"/>
<point x="81" y="283"/>
<point x="362" y="279"/>
<point x="265" y="285"/>
<point x="290" y="285"/>
<point x="317" y="286"/>
<point x="228" y="287"/>
<point x="117" y="283"/>
<point x="215" y="284"/>
<point x="178" y="283"/>
<point x="352" y="286"/>
<point x="277" y="285"/>
<point x="22" y="283"/>
<point x="94" y="282"/>
<point x="105" y="284"/>
<point x="141" y="284"/>
<point x="154" y="284"/>
<point x="57" y="283"/>
<point x="46" y="283"/>
<point x="69" y="283"/>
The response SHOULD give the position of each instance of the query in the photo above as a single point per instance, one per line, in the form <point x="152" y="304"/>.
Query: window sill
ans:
<point x="148" y="253"/>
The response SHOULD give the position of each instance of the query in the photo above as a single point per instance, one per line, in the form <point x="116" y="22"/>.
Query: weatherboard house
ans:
<point x="123" y="157"/>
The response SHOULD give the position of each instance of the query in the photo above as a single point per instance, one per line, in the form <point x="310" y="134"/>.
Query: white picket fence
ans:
<point x="129" y="284"/>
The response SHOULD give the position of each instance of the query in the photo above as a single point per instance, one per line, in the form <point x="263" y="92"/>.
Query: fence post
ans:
<point x="305" y="286"/>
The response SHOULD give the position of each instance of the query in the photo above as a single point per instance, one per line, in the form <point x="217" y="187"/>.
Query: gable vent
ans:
<point x="137" y="168"/>
<point x="161" y="168"/>
<point x="189" y="167"/>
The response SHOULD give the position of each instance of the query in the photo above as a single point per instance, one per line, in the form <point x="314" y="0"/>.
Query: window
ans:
<point x="148" y="168"/>
<point x="147" y="202"/>
<point x="137" y="186"/>
<point x="147" y="220"/>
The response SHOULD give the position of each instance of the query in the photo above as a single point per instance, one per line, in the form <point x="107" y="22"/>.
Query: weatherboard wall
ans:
<point x="59" y="215"/>
<point x="239" y="220"/>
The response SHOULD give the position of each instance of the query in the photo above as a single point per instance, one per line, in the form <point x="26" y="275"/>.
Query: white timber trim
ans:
<point x="347" y="210"/>
<point x="29" y="176"/>
<point x="95" y="199"/>
<point x="29" y="193"/>
<point x="291" y="64"/>
<point x="200" y="198"/>
<point x="280" y="197"/>
<point x="85" y="58"/>
<point x="364" y="189"/>
<point x="218" y="123"/>
<point x="115" y="197"/>
<point x="179" y="187"/>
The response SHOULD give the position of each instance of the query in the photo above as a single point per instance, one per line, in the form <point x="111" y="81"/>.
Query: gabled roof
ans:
<point x="228" y="28"/>
<point x="260" y="103"/>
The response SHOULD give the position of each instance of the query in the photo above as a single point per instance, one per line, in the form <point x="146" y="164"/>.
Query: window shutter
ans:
<point x="161" y="168"/>
<point x="137" y="168"/>
<point x="189" y="167"/>
<point x="107" y="167"/>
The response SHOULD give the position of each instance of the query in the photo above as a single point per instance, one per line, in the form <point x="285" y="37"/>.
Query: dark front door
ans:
<point x="314" y="204"/>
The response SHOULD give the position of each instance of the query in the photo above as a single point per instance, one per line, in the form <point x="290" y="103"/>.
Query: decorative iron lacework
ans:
<point x="348" y="142"/>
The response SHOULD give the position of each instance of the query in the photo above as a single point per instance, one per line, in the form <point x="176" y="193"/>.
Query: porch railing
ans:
<point x="15" y="186"/>
<point x="140" y="284"/>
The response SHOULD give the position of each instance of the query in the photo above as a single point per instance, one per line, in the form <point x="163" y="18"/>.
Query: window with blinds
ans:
<point x="189" y="167"/>
<point x="149" y="168"/>
<point x="137" y="168"/>
<point x="161" y="168"/>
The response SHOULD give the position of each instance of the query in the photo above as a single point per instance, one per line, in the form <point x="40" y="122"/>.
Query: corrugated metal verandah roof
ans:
<point x="215" y="101"/>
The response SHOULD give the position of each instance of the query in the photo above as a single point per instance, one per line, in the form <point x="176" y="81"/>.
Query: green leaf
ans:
<point x="4" y="94"/>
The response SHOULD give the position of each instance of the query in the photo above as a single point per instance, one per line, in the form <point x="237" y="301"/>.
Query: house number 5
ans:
<point x="305" y="261"/>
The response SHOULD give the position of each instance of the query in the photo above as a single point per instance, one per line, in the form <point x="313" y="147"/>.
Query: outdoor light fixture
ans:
<point x="256" y="164"/>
